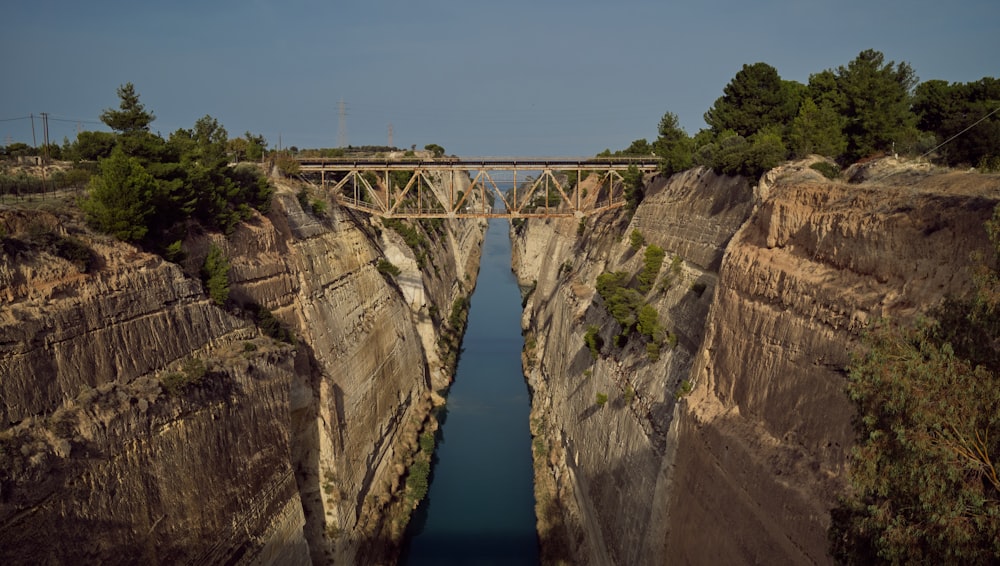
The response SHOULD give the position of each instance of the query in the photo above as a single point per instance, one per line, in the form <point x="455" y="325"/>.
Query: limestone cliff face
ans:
<point x="745" y="468"/>
<point x="117" y="447"/>
<point x="603" y="469"/>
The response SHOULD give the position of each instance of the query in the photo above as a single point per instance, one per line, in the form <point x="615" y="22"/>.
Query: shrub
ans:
<point x="684" y="389"/>
<point x="828" y="170"/>
<point x="417" y="480"/>
<point x="386" y="267"/>
<point x="215" y="274"/>
<point x="602" y="398"/>
<point x="629" y="394"/>
<point x="648" y="322"/>
<point x="652" y="262"/>
<point x="636" y="239"/>
<point x="581" y="227"/>
<point x="427" y="443"/>
<point x="593" y="340"/>
<point x="653" y="351"/>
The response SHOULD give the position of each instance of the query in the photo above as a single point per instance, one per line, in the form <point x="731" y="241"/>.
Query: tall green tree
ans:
<point x="876" y="98"/>
<point x="131" y="116"/>
<point x="755" y="98"/>
<point x="817" y="129"/>
<point x="118" y="199"/>
<point x="963" y="115"/>
<point x="673" y="145"/>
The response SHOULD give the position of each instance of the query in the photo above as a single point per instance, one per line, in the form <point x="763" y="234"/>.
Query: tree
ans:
<point x="673" y="145"/>
<point x="92" y="146"/>
<point x="215" y="274"/>
<point x="817" y="129"/>
<point x="754" y="99"/>
<point x="435" y="149"/>
<point x="953" y="113"/>
<point x="875" y="98"/>
<point x="118" y="201"/>
<point x="131" y="117"/>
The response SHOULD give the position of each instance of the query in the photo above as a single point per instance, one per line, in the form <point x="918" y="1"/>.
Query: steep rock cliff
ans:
<point x="745" y="468"/>
<point x="268" y="452"/>
<point x="603" y="468"/>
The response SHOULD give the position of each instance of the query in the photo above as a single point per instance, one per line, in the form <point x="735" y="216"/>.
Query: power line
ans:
<point x="973" y="125"/>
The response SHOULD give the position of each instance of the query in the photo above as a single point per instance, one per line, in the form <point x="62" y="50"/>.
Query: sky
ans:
<point x="480" y="78"/>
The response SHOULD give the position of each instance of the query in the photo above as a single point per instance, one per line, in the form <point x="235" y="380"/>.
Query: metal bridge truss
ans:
<point x="426" y="188"/>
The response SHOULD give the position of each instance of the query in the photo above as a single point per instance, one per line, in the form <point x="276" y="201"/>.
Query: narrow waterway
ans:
<point x="480" y="505"/>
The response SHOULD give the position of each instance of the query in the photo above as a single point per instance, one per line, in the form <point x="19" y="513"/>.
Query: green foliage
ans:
<point x="684" y="390"/>
<point x="828" y="170"/>
<point x="581" y="227"/>
<point x="413" y="237"/>
<point x="131" y="118"/>
<point x="417" y="480"/>
<point x="636" y="239"/>
<point x="817" y="129"/>
<point x="634" y="187"/>
<point x="93" y="146"/>
<point x="386" y="267"/>
<point x="593" y="340"/>
<point x="427" y="443"/>
<point x="653" y="351"/>
<point x="118" y="201"/>
<point x="674" y="146"/>
<point x="629" y="394"/>
<point x="621" y="301"/>
<point x="948" y="110"/>
<point x="435" y="149"/>
<point x="215" y="274"/>
<point x="875" y="101"/>
<point x="755" y="99"/>
<point x="287" y="165"/>
<point x="602" y="399"/>
<point x="648" y="322"/>
<point x="924" y="477"/>
<point x="459" y="309"/>
<point x="270" y="325"/>
<point x="192" y="372"/>
<point x="652" y="261"/>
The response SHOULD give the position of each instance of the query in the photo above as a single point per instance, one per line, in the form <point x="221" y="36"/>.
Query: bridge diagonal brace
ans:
<point x="414" y="179"/>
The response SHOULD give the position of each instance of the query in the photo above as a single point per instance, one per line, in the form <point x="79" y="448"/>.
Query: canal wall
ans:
<point x="141" y="423"/>
<point x="729" y="443"/>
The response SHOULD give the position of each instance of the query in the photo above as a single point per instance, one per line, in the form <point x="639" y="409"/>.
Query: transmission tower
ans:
<point x="390" y="135"/>
<point x="341" y="124"/>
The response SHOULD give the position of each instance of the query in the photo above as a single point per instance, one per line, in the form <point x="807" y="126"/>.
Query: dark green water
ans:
<point x="480" y="505"/>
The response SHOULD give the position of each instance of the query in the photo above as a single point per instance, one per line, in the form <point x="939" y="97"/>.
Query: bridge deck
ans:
<point x="479" y="163"/>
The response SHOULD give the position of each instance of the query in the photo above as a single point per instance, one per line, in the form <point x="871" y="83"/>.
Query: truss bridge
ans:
<point x="470" y="187"/>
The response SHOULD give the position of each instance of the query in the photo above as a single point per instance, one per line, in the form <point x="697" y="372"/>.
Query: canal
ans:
<point x="480" y="504"/>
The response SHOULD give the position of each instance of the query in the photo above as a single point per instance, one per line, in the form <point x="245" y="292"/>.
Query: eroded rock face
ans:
<point x="745" y="468"/>
<point x="603" y="469"/>
<point x="277" y="453"/>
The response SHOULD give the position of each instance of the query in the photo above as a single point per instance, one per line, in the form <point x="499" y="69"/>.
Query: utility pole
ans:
<point x="45" y="135"/>
<point x="390" y="135"/>
<point x="34" y="143"/>
<point x="341" y="124"/>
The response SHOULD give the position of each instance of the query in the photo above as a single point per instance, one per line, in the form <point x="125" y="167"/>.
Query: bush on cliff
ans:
<point x="215" y="274"/>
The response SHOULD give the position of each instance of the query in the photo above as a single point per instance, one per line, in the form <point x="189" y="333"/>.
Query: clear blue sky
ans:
<point x="511" y="77"/>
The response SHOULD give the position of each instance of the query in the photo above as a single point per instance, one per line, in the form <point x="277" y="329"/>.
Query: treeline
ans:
<point x="868" y="108"/>
<point x="149" y="189"/>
